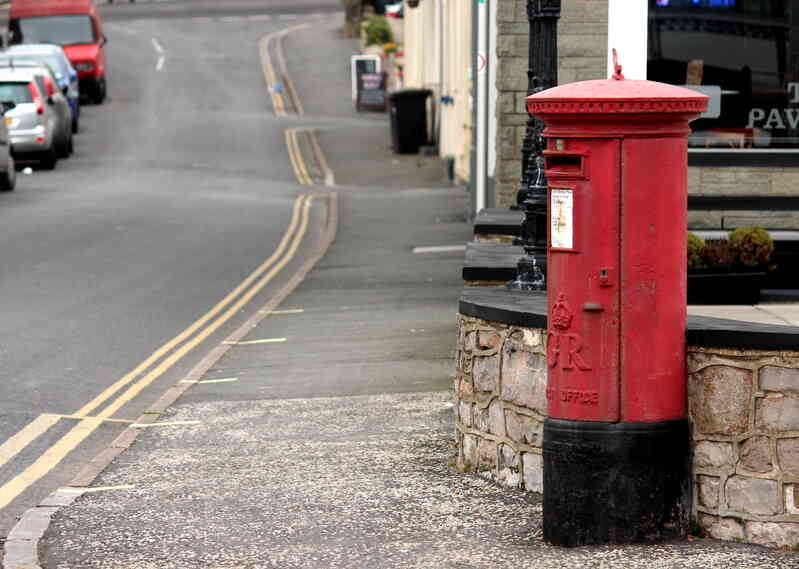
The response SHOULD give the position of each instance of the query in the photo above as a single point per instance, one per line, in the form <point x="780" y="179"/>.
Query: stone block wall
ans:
<point x="743" y="405"/>
<point x="582" y="37"/>
<point x="500" y="401"/>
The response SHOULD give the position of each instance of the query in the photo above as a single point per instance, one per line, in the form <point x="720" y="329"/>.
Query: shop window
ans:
<point x="743" y="54"/>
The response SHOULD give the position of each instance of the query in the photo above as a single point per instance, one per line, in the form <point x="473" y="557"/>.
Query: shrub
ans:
<point x="377" y="31"/>
<point x="751" y="245"/>
<point x="717" y="253"/>
<point x="695" y="248"/>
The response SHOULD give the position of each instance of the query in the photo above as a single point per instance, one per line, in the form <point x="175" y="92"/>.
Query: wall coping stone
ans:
<point x="529" y="309"/>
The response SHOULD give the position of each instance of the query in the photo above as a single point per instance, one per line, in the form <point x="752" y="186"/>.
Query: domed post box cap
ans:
<point x="617" y="96"/>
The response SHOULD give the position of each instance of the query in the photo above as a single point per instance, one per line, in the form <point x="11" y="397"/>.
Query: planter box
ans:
<point x="711" y="286"/>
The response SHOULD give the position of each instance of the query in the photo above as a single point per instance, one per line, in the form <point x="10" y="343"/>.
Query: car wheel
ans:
<point x="98" y="96"/>
<point x="9" y="180"/>
<point x="48" y="159"/>
<point x="63" y="148"/>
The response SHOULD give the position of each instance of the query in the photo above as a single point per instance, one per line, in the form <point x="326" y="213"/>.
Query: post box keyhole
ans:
<point x="604" y="277"/>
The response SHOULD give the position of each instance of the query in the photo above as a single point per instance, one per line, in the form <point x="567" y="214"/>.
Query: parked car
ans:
<point x="8" y="170"/>
<point x="33" y="121"/>
<point x="54" y="57"/>
<point x="75" y="25"/>
<point x="46" y="81"/>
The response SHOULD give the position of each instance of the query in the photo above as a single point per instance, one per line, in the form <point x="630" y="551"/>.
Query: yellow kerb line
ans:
<point x="187" y="347"/>
<point x="295" y="155"/>
<point x="270" y="76"/>
<point x="13" y="446"/>
<point x="14" y="487"/>
<point x="56" y="453"/>
<point x="163" y="350"/>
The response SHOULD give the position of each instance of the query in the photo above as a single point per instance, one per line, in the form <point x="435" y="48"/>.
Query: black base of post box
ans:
<point x="614" y="483"/>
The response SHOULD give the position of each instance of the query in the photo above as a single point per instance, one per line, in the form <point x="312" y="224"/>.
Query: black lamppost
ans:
<point x="542" y="73"/>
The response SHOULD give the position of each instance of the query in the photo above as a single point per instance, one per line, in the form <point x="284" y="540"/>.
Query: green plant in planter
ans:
<point x="696" y="246"/>
<point x="717" y="254"/>
<point x="378" y="31"/>
<point x="751" y="246"/>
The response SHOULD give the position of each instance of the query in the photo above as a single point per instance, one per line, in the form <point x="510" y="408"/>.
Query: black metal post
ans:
<point x="542" y="73"/>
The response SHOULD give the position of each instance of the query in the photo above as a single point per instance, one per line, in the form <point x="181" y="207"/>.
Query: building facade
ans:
<point x="744" y="54"/>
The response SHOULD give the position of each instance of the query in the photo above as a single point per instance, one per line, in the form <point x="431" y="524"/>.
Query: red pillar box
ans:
<point x="616" y="443"/>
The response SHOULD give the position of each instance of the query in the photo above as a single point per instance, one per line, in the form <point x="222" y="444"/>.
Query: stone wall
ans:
<point x="500" y="401"/>
<point x="582" y="37"/>
<point x="744" y="407"/>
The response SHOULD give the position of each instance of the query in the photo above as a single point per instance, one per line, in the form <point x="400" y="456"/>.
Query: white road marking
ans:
<point x="160" y="63"/>
<point x="440" y="249"/>
<point x="289" y="311"/>
<point x="253" y="342"/>
<point x="220" y="380"/>
<point x="164" y="424"/>
<point x="157" y="46"/>
<point x="71" y="490"/>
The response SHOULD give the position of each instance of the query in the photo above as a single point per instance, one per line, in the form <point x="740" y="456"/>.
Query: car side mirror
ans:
<point x="103" y="40"/>
<point x="8" y="106"/>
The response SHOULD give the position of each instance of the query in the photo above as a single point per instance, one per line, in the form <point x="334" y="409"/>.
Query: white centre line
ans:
<point x="160" y="64"/>
<point x="157" y="46"/>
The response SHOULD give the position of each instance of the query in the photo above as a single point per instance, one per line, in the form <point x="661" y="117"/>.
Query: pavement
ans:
<point x="328" y="441"/>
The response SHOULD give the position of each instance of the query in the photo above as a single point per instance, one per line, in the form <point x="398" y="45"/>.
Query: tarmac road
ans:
<point x="180" y="186"/>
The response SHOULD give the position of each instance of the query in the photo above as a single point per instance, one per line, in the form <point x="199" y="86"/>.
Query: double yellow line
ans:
<point x="163" y="359"/>
<point x="273" y="78"/>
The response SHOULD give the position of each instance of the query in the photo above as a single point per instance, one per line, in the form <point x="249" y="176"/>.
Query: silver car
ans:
<point x="47" y="82"/>
<point x="8" y="172"/>
<point x="33" y="122"/>
<point x="54" y="57"/>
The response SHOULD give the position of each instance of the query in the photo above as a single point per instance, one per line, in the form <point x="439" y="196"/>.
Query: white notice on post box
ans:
<point x="561" y="209"/>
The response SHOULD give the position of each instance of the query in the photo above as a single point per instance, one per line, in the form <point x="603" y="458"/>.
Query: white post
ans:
<point x="627" y="32"/>
<point x="481" y="101"/>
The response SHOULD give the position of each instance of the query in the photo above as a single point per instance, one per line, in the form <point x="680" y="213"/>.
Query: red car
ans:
<point x="75" y="25"/>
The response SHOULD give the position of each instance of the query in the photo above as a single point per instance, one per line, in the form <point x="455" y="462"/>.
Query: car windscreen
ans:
<point x="60" y="30"/>
<point x="16" y="91"/>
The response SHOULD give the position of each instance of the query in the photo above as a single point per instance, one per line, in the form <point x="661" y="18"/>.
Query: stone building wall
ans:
<point x="582" y="37"/>
<point x="744" y="407"/>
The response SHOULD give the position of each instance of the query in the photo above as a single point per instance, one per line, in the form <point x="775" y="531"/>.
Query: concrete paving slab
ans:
<point x="781" y="314"/>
